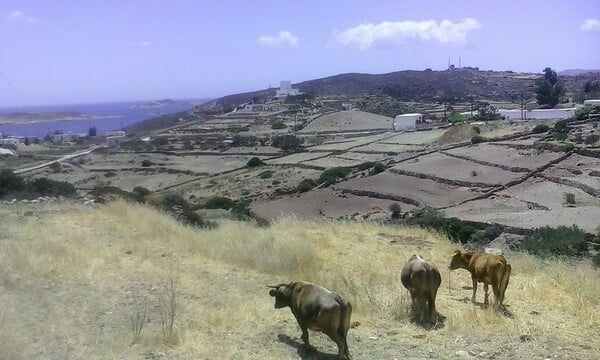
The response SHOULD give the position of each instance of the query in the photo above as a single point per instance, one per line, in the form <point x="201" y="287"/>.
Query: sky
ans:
<point x="64" y="52"/>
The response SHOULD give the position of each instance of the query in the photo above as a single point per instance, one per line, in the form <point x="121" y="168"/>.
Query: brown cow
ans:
<point x="316" y="308"/>
<point x="488" y="269"/>
<point x="422" y="279"/>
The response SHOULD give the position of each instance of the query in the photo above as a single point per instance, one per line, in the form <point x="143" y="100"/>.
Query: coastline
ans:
<point x="74" y="118"/>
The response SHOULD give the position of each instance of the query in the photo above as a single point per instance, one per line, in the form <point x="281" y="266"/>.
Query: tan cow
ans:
<point x="422" y="279"/>
<point x="316" y="308"/>
<point x="488" y="269"/>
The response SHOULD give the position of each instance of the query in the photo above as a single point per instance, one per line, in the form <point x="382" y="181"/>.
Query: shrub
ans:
<point x="477" y="129"/>
<point x="365" y="166"/>
<point x="487" y="235"/>
<point x="266" y="174"/>
<point x="276" y="182"/>
<point x="187" y="215"/>
<point x="570" y="198"/>
<point x="592" y="139"/>
<point x="454" y="228"/>
<point x="566" y="147"/>
<point x="377" y="168"/>
<point x="56" y="166"/>
<point x="110" y="174"/>
<point x="287" y="142"/>
<point x="540" y="128"/>
<point x="305" y="185"/>
<point x="147" y="163"/>
<point x="330" y="176"/>
<point x="141" y="191"/>
<point x="241" y="209"/>
<point x="278" y="125"/>
<point x="219" y="202"/>
<point x="563" y="240"/>
<point x="477" y="139"/>
<point x="47" y="187"/>
<point x="596" y="260"/>
<point x="10" y="182"/>
<point x="396" y="210"/>
<point x="254" y="162"/>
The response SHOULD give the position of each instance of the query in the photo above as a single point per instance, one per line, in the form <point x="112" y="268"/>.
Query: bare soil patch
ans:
<point x="451" y="168"/>
<point x="426" y="192"/>
<point x="532" y="204"/>
<point x="324" y="203"/>
<point x="505" y="156"/>
<point x="348" y="121"/>
<point x="577" y="168"/>
<point x="416" y="137"/>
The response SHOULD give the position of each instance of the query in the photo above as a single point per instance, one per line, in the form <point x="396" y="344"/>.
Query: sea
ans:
<point x="104" y="117"/>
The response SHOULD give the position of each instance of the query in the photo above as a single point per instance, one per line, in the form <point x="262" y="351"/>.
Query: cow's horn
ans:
<point x="272" y="287"/>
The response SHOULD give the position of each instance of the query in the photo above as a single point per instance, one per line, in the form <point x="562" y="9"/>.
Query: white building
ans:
<point x="591" y="102"/>
<point x="69" y="137"/>
<point x="539" y="114"/>
<point x="408" y="121"/>
<point x="285" y="89"/>
<point x="10" y="141"/>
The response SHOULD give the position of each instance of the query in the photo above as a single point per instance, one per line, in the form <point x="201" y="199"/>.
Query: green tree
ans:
<point x="549" y="91"/>
<point x="92" y="131"/>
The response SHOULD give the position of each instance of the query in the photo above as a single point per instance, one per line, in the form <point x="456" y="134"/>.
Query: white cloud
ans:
<point x="284" y="38"/>
<point x="17" y="15"/>
<point x="590" y="25"/>
<point x="366" y="35"/>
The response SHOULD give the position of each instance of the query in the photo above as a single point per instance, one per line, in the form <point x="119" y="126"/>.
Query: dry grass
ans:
<point x="71" y="278"/>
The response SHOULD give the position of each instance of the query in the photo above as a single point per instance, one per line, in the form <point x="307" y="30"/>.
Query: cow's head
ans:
<point x="458" y="261"/>
<point x="282" y="294"/>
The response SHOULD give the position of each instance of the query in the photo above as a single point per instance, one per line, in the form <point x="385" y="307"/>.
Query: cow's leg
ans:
<point x="431" y="306"/>
<point x="342" y="345"/>
<point x="304" y="335"/>
<point x="487" y="294"/>
<point x="474" y="279"/>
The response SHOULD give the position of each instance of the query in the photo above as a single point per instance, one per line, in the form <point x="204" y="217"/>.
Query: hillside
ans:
<point x="74" y="279"/>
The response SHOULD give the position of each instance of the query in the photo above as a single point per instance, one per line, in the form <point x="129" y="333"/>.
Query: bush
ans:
<point x="287" y="142"/>
<point x="241" y="209"/>
<point x="141" y="191"/>
<point x="566" y="147"/>
<point x="147" y="163"/>
<point x="377" y="168"/>
<point x="563" y="240"/>
<point x="254" y="162"/>
<point x="570" y="198"/>
<point x="187" y="215"/>
<point x="477" y="129"/>
<point x="596" y="260"/>
<point x="110" y="174"/>
<point x="540" y="128"/>
<point x="592" y="139"/>
<point x="10" y="182"/>
<point x="219" y="202"/>
<point x="477" y="139"/>
<point x="14" y="185"/>
<point x="330" y="176"/>
<point x="365" y="166"/>
<point x="396" y="210"/>
<point x="278" y="125"/>
<point x="266" y="174"/>
<point x="487" y="235"/>
<point x="454" y="228"/>
<point x="305" y="185"/>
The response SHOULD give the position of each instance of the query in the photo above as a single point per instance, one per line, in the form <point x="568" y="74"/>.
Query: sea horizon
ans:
<point x="104" y="116"/>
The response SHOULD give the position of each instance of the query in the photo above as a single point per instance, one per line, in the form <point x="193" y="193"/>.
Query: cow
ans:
<point x="422" y="279"/>
<point x="488" y="269"/>
<point x="316" y="308"/>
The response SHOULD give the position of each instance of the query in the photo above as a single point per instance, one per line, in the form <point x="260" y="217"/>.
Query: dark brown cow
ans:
<point x="316" y="308"/>
<point x="422" y="279"/>
<point x="488" y="269"/>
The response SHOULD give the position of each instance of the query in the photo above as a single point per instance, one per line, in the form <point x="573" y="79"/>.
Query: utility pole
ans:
<point x="521" y="104"/>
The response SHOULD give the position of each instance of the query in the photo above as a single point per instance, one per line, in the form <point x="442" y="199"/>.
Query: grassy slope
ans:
<point x="71" y="277"/>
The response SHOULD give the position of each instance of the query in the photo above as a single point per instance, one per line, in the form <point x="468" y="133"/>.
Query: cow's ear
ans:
<point x="456" y="252"/>
<point x="272" y="292"/>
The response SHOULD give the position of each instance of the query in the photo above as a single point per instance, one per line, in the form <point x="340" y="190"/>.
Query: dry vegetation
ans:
<point x="75" y="281"/>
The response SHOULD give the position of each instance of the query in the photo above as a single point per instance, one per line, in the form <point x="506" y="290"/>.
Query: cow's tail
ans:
<point x="504" y="280"/>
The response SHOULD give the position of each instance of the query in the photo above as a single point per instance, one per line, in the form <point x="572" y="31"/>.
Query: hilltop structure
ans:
<point x="285" y="89"/>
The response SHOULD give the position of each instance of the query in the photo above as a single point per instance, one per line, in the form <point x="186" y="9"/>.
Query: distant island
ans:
<point x="31" y="117"/>
<point x="156" y="104"/>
